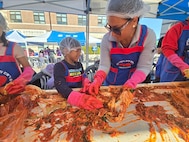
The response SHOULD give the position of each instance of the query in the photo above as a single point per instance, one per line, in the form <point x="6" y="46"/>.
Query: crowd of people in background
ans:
<point x="45" y="57"/>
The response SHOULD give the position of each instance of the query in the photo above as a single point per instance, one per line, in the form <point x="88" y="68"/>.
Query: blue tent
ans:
<point x="173" y="9"/>
<point x="56" y="37"/>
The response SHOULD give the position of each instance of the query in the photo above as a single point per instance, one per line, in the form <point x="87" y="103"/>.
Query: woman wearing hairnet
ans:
<point x="12" y="58"/>
<point x="69" y="74"/>
<point x="128" y="48"/>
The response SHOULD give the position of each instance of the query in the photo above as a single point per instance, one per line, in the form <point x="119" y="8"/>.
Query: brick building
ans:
<point x="34" y="23"/>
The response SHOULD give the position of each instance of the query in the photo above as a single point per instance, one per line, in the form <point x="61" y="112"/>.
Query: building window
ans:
<point x="15" y="16"/>
<point x="39" y="17"/>
<point x="102" y="20"/>
<point x="61" y="18"/>
<point x="81" y="20"/>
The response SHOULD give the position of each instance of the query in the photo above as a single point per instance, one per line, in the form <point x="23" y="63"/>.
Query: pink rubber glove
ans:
<point x="178" y="62"/>
<point x="137" y="77"/>
<point x="86" y="83"/>
<point x="98" y="80"/>
<point x="19" y="83"/>
<point x="84" y="101"/>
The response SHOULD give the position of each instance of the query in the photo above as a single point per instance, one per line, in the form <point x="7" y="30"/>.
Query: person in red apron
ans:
<point x="12" y="57"/>
<point x="9" y="70"/>
<point x="127" y="50"/>
<point x="69" y="74"/>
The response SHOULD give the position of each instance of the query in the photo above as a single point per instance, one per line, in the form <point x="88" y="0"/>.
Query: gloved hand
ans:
<point x="179" y="63"/>
<point x="99" y="77"/>
<point x="137" y="77"/>
<point x="86" y="83"/>
<point x="84" y="101"/>
<point x="186" y="73"/>
<point x="15" y="86"/>
<point x="19" y="83"/>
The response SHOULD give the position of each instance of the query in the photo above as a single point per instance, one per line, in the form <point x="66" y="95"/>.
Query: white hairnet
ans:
<point x="68" y="44"/>
<point x="126" y="8"/>
<point x="3" y="23"/>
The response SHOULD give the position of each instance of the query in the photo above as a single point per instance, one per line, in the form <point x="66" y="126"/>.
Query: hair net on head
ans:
<point x="126" y="8"/>
<point x="3" y="23"/>
<point x="68" y="44"/>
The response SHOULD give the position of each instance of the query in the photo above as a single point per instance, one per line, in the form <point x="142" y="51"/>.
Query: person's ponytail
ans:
<point x="4" y="40"/>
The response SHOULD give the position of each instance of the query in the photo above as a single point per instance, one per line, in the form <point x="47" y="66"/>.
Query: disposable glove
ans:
<point x="86" y="83"/>
<point x="98" y="80"/>
<point x="19" y="83"/>
<point x="15" y="87"/>
<point x="137" y="77"/>
<point x="179" y="63"/>
<point x="84" y="101"/>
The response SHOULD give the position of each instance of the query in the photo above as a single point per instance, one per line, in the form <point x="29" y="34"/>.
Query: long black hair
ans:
<point x="3" y="39"/>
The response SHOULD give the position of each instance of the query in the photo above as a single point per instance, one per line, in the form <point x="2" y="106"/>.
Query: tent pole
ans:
<point x="50" y="22"/>
<point x="87" y="31"/>
<point x="27" y="50"/>
<point x="87" y="40"/>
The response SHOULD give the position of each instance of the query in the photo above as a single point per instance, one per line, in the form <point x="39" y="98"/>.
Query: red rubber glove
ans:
<point x="86" y="83"/>
<point x="19" y="83"/>
<point x="15" y="87"/>
<point x="27" y="74"/>
<point x="137" y="77"/>
<point x="98" y="80"/>
<point x="84" y="101"/>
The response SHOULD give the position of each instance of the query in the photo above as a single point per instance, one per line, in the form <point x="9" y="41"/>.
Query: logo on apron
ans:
<point x="4" y="77"/>
<point x="125" y="64"/>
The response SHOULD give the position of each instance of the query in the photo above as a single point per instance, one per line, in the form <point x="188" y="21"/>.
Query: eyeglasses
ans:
<point x="117" y="30"/>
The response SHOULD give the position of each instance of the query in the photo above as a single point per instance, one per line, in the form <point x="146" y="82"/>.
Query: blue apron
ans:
<point x="124" y="60"/>
<point x="159" y="66"/>
<point x="73" y="81"/>
<point x="169" y="71"/>
<point x="9" y="69"/>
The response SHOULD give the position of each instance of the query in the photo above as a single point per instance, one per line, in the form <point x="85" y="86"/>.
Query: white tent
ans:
<point x="39" y="39"/>
<point x="93" y="40"/>
<point x="62" y="6"/>
<point x="15" y="36"/>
